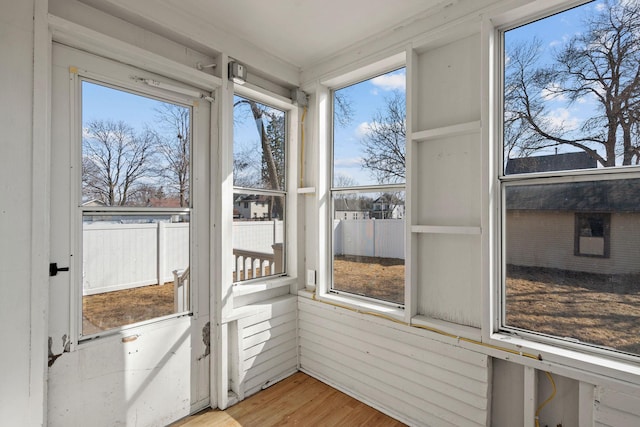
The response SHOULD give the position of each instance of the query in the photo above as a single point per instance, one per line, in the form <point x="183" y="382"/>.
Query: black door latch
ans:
<point x="53" y="269"/>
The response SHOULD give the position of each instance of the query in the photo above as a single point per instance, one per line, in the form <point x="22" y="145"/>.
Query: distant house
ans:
<point x="94" y="203"/>
<point x="589" y="226"/>
<point x="349" y="209"/>
<point x="251" y="207"/>
<point x="387" y="207"/>
<point x="553" y="162"/>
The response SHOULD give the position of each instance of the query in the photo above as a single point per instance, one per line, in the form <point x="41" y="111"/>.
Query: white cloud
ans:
<point x="562" y="117"/>
<point x="353" y="162"/>
<point x="390" y="81"/>
<point x="363" y="129"/>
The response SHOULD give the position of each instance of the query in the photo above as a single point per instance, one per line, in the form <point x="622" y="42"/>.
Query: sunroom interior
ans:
<point x="427" y="205"/>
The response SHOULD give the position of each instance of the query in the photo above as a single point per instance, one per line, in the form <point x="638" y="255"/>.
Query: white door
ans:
<point x="129" y="305"/>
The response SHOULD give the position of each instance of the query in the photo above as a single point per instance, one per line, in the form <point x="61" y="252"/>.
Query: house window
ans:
<point x="592" y="234"/>
<point x="259" y="159"/>
<point x="368" y="258"/>
<point x="136" y="208"/>
<point x="570" y="217"/>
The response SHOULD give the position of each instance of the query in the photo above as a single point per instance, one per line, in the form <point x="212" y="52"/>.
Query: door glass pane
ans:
<point x="136" y="154"/>
<point x="135" y="268"/>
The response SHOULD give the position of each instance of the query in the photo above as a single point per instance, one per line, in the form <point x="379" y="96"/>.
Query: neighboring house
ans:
<point x="94" y="203"/>
<point x="348" y="209"/>
<point x="251" y="207"/>
<point x="582" y="226"/>
<point x="387" y="207"/>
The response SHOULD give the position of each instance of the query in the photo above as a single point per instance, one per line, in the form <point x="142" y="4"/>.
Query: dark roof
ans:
<point x="352" y="205"/>
<point x="620" y="195"/>
<point x="553" y="162"/>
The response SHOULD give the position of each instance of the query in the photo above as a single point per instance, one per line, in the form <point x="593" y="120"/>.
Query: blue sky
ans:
<point x="102" y="103"/>
<point x="366" y="98"/>
<point x="554" y="32"/>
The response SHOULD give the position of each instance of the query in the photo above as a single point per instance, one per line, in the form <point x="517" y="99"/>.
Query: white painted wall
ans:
<point x="22" y="254"/>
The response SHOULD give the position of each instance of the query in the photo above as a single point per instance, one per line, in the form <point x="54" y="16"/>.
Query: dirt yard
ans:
<point x="381" y="278"/>
<point x="113" y="309"/>
<point x="593" y="308"/>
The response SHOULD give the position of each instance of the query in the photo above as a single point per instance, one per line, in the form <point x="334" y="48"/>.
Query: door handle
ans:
<point x="53" y="269"/>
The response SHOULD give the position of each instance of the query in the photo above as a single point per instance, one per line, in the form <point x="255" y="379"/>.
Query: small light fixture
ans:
<point x="237" y="73"/>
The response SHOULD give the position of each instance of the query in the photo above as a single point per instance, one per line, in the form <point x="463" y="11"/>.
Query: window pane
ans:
<point x="572" y="253"/>
<point x="571" y="90"/>
<point x="259" y="143"/>
<point x="135" y="268"/>
<point x="368" y="244"/>
<point x="369" y="132"/>
<point x="258" y="236"/>
<point x="135" y="150"/>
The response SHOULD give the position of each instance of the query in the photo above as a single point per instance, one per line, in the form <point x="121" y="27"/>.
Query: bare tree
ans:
<point x="342" y="108"/>
<point x="385" y="141"/>
<point x="115" y="161"/>
<point x="602" y="63"/>
<point x="271" y="131"/>
<point x="174" y="147"/>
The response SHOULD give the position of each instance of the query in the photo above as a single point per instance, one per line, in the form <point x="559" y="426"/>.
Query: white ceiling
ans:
<point x="299" y="32"/>
<point x="303" y="32"/>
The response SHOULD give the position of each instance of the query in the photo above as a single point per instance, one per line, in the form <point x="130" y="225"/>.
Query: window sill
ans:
<point x="240" y="289"/>
<point x="573" y="362"/>
<point x="360" y="306"/>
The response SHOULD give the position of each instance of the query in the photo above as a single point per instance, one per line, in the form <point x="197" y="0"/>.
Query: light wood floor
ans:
<point x="299" y="400"/>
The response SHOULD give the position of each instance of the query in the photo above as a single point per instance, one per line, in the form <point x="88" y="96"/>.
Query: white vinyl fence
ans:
<point x="383" y="238"/>
<point x="123" y="256"/>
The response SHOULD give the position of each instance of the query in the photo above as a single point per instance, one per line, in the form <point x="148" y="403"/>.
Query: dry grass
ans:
<point x="593" y="308"/>
<point x="113" y="309"/>
<point x="381" y="278"/>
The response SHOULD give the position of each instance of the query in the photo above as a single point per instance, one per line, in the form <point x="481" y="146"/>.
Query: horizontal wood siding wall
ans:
<point x="268" y="344"/>
<point x="395" y="369"/>
<point x="614" y="408"/>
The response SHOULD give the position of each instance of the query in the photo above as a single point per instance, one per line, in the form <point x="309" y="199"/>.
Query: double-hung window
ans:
<point x="570" y="182"/>
<point x="368" y="189"/>
<point x="259" y="192"/>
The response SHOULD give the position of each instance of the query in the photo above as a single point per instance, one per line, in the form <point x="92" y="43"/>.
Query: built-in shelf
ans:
<point x="446" y="131"/>
<point x="445" y="229"/>
<point x="306" y="190"/>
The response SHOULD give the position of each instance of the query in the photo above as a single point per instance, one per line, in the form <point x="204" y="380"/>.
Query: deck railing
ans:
<point x="251" y="264"/>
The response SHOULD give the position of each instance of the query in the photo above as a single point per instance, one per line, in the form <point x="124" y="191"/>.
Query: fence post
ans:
<point x="161" y="252"/>
<point x="277" y="258"/>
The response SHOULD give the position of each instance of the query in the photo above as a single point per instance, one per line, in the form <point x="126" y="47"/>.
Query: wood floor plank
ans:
<point x="298" y="400"/>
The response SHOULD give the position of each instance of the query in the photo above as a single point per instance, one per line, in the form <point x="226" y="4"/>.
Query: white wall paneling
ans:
<point x="398" y="371"/>
<point x="266" y="345"/>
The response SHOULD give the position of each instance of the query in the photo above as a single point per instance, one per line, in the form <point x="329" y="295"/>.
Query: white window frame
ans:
<point x="269" y="192"/>
<point x="573" y="360"/>
<point x="232" y="306"/>
<point x="324" y="104"/>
